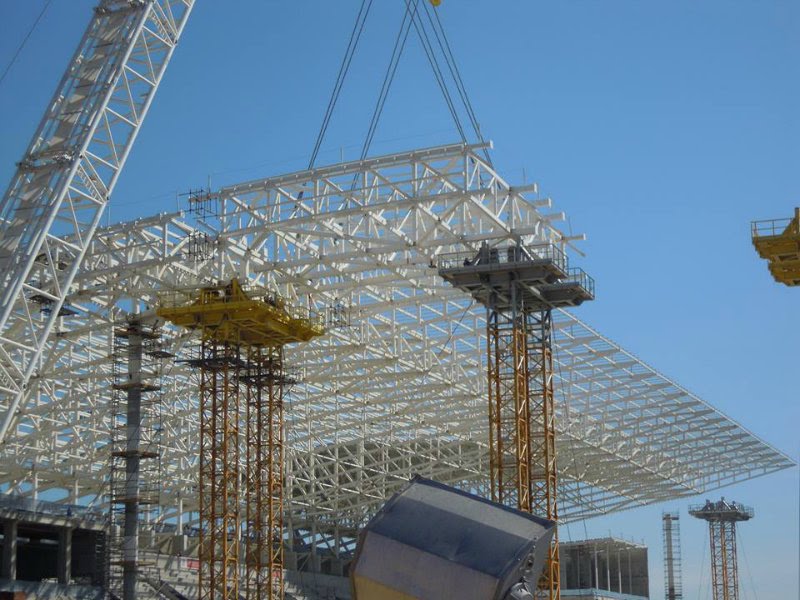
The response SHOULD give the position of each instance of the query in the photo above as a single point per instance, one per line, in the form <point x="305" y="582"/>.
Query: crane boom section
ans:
<point x="61" y="186"/>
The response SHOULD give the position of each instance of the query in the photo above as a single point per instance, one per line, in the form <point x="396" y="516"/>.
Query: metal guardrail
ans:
<point x="56" y="509"/>
<point x="774" y="228"/>
<point x="581" y="277"/>
<point x="722" y="507"/>
<point x="503" y="255"/>
<point x="517" y="254"/>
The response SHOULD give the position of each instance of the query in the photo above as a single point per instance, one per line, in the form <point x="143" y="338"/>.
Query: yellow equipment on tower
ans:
<point x="778" y="241"/>
<point x="240" y="362"/>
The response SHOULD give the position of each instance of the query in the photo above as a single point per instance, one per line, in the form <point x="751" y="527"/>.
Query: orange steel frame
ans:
<point x="724" y="566"/>
<point x="522" y="459"/>
<point x="241" y="362"/>
<point x="219" y="471"/>
<point x="227" y="381"/>
<point x="545" y="473"/>
<point x="264" y="474"/>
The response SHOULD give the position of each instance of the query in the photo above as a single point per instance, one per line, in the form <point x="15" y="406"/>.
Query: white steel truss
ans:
<point x="400" y="387"/>
<point x="62" y="184"/>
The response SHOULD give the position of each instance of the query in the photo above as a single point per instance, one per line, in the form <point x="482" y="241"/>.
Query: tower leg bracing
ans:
<point x="522" y="430"/>
<point x="544" y="478"/>
<point x="264" y="476"/>
<point x="724" y="565"/>
<point x="220" y="366"/>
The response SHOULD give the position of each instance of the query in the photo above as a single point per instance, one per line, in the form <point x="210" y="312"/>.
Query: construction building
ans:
<point x="123" y="413"/>
<point x="604" y="569"/>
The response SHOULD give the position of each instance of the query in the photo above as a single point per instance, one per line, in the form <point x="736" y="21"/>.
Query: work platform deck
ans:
<point x="542" y="273"/>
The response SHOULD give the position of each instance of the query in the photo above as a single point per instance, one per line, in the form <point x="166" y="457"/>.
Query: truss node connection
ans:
<point x="400" y="390"/>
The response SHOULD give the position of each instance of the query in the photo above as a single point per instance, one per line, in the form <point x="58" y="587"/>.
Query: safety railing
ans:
<point x="503" y="255"/>
<point x="722" y="510"/>
<point x="775" y="227"/>
<point x="579" y="276"/>
<point x="44" y="507"/>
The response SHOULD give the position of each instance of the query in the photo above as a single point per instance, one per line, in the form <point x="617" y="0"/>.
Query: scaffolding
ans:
<point x="778" y="241"/>
<point x="134" y="474"/>
<point x="722" y="517"/>
<point x="520" y="286"/>
<point x="671" y="528"/>
<point x="242" y="382"/>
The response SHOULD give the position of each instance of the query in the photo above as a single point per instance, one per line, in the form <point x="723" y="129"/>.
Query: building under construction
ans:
<point x="212" y="402"/>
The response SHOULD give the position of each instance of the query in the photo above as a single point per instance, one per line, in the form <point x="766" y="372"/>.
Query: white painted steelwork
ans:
<point x="62" y="184"/>
<point x="400" y="390"/>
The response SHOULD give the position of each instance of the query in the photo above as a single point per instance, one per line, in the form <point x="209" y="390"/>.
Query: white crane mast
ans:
<point x="56" y="198"/>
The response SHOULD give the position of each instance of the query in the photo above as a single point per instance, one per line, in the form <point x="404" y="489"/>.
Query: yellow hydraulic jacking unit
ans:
<point x="242" y="382"/>
<point x="778" y="241"/>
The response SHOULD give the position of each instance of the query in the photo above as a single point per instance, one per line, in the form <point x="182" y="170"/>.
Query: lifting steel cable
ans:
<point x="355" y="36"/>
<point x="399" y="44"/>
<point x="455" y="72"/>
<point x="411" y="17"/>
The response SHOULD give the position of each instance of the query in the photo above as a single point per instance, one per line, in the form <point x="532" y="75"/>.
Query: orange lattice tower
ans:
<point x="722" y="517"/>
<point x="242" y="381"/>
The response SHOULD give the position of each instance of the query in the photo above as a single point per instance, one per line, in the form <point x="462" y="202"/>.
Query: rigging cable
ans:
<point x="455" y="72"/>
<point x="25" y="40"/>
<point x="430" y="53"/>
<point x="427" y="46"/>
<point x="355" y="36"/>
<point x="399" y="45"/>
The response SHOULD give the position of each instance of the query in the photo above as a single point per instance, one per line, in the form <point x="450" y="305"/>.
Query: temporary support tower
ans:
<point x="242" y="380"/>
<point x="520" y="286"/>
<point x="673" y="587"/>
<point x="722" y="517"/>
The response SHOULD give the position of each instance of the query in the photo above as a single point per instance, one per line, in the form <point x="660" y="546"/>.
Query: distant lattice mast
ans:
<point x="673" y="587"/>
<point x="722" y="517"/>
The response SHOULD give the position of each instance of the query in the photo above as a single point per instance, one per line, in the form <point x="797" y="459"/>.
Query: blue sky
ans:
<point x="662" y="129"/>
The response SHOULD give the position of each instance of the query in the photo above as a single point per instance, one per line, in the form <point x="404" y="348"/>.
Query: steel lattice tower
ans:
<point x="241" y="398"/>
<point x="520" y="286"/>
<point x="722" y="517"/>
<point x="673" y="586"/>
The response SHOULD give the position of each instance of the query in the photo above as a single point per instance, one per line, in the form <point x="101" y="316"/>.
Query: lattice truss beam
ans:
<point x="60" y="189"/>
<point x="398" y="391"/>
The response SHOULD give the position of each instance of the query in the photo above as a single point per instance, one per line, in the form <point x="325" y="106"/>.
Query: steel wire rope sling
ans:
<point x="411" y="17"/>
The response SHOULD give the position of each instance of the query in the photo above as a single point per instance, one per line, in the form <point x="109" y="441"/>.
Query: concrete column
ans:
<point x="64" y="567"/>
<point x="630" y="573"/>
<point x="8" y="568"/>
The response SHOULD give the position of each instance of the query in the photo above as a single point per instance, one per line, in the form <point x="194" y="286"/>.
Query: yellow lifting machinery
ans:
<point x="778" y="241"/>
<point x="240" y="362"/>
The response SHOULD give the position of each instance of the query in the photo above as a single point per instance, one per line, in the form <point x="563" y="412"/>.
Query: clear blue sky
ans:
<point x="662" y="129"/>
